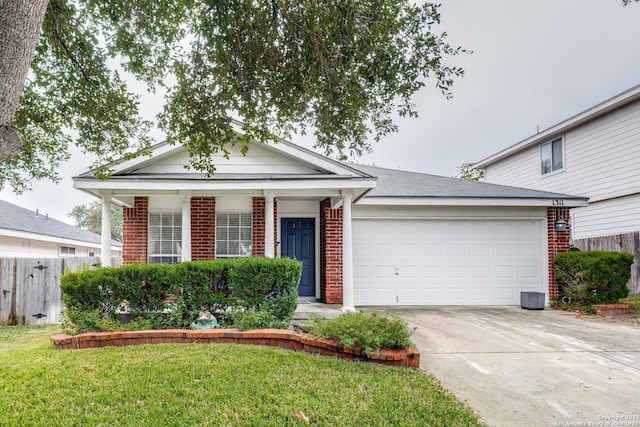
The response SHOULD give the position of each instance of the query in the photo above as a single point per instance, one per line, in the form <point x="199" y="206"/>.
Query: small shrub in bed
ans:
<point x="366" y="331"/>
<point x="593" y="277"/>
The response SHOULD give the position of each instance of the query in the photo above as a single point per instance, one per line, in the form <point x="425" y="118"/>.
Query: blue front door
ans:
<point x="298" y="241"/>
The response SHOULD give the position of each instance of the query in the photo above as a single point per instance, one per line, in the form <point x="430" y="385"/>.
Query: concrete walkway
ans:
<point x="310" y="307"/>
<point x="516" y="367"/>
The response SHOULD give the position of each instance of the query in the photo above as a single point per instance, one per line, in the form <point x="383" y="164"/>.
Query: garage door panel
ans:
<point x="480" y="272"/>
<point x="528" y="272"/>
<point x="502" y="249"/>
<point x="479" y="250"/>
<point x="531" y="250"/>
<point x="462" y="262"/>
<point x="408" y="249"/>
<point x="504" y="271"/>
<point x="432" y="272"/>
<point x="454" y="249"/>
<point x="431" y="249"/>
<point x="456" y="271"/>
<point x="457" y="294"/>
<point x="383" y="250"/>
<point x="382" y="271"/>
<point x="386" y="294"/>
<point x="408" y="272"/>
<point x="505" y="294"/>
<point x="481" y="293"/>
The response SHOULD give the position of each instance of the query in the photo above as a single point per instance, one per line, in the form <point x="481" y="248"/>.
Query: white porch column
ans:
<point x="105" y="252"/>
<point x="186" y="226"/>
<point x="347" y="256"/>
<point x="269" y="243"/>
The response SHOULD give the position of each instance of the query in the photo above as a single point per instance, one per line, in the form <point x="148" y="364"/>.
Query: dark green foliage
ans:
<point x="201" y="286"/>
<point x="593" y="277"/>
<point x="266" y="284"/>
<point x="251" y="319"/>
<point x="367" y="331"/>
<point x="74" y="321"/>
<point x="254" y="292"/>
<point x="89" y="217"/>
<point x="343" y="69"/>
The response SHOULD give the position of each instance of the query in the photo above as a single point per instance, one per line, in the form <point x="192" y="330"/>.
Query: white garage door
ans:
<point x="446" y="262"/>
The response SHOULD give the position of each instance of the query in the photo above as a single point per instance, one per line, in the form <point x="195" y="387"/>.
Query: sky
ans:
<point x="534" y="64"/>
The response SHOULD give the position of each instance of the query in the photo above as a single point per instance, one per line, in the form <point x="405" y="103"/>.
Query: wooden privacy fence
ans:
<point x="629" y="242"/>
<point x="30" y="287"/>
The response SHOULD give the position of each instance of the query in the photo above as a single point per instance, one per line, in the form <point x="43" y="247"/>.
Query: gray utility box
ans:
<point x="532" y="300"/>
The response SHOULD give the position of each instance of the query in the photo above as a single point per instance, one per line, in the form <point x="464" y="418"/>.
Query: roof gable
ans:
<point x="279" y="159"/>
<point x="258" y="160"/>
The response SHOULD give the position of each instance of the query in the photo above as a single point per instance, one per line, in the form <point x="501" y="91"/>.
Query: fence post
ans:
<point x="13" y="316"/>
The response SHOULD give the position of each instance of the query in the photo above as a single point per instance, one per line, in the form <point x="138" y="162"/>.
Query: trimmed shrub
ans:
<point x="366" y="331"/>
<point x="141" y="288"/>
<point x="266" y="284"/>
<point x="593" y="277"/>
<point x="171" y="296"/>
<point x="200" y="286"/>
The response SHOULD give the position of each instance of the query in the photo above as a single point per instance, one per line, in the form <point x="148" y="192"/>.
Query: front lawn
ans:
<point x="207" y="384"/>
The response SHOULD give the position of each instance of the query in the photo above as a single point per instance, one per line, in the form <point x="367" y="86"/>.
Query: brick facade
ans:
<point x="558" y="242"/>
<point x="135" y="228"/>
<point x="258" y="231"/>
<point x="203" y="228"/>
<point x="330" y="253"/>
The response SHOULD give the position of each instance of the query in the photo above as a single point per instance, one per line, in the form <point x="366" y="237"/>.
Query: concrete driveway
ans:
<point x="516" y="367"/>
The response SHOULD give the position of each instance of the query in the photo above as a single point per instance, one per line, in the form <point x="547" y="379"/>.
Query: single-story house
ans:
<point x="366" y="235"/>
<point x="28" y="234"/>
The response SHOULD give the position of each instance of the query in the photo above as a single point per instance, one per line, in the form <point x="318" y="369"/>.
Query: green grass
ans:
<point x="208" y="385"/>
<point x="633" y="300"/>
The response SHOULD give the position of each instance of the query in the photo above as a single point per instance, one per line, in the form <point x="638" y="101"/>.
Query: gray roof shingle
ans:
<point x="14" y="217"/>
<point x="399" y="183"/>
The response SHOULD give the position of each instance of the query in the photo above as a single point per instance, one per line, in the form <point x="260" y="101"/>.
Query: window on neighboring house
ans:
<point x="67" y="250"/>
<point x="165" y="237"/>
<point x="92" y="254"/>
<point x="551" y="156"/>
<point x="233" y="234"/>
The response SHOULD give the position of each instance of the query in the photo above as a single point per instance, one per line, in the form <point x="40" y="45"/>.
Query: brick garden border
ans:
<point x="607" y="310"/>
<point x="291" y="340"/>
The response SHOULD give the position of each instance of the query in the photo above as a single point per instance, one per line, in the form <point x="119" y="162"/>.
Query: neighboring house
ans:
<point x="365" y="235"/>
<point x="593" y="154"/>
<point x="28" y="234"/>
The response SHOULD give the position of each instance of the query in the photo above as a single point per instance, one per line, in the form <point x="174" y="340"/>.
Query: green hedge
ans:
<point x="593" y="277"/>
<point x="171" y="296"/>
